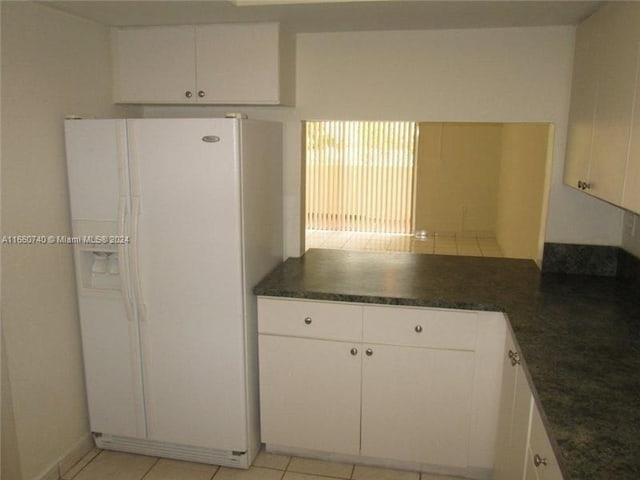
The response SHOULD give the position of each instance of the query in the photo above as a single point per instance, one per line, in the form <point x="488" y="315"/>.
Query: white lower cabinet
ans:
<point x="541" y="462"/>
<point x="416" y="404"/>
<point x="513" y="422"/>
<point x="523" y="449"/>
<point x="414" y="387"/>
<point x="310" y="393"/>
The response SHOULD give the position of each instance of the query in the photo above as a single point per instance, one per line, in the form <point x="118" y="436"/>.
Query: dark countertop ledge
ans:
<point x="579" y="336"/>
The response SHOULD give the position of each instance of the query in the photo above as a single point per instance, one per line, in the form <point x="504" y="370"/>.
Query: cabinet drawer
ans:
<point x="299" y="318"/>
<point x="420" y="327"/>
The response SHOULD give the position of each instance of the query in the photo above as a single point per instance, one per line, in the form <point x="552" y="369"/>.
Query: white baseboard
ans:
<point x="475" y="473"/>
<point x="64" y="463"/>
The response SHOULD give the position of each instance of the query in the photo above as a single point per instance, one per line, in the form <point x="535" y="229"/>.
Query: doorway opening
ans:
<point x="476" y="189"/>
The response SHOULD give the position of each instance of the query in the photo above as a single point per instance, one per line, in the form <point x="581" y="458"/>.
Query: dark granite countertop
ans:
<point x="579" y="335"/>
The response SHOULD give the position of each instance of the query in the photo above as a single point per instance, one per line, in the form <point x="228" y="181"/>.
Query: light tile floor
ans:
<point x="108" y="465"/>
<point x="438" y="243"/>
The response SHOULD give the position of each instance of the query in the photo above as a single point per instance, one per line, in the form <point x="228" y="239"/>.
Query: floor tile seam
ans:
<point x="320" y="475"/>
<point x="150" y="468"/>
<point x="270" y="468"/>
<point x="88" y="463"/>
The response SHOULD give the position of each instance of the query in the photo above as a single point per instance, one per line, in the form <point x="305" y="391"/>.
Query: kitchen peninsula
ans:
<point x="579" y="336"/>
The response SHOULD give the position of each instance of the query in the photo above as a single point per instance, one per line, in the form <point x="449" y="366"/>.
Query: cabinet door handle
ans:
<point x="201" y="93"/>
<point x="354" y="351"/>
<point x="188" y="94"/>
<point x="515" y="358"/>
<point x="538" y="460"/>
<point x="307" y="320"/>
<point x="418" y="328"/>
<point x="584" y="185"/>
<point x="369" y="352"/>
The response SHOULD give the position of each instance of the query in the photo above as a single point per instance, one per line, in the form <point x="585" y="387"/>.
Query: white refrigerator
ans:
<point x="174" y="221"/>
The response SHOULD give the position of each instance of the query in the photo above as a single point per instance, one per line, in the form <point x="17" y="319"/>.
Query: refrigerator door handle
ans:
<point x="134" y="260"/>
<point x="122" y="259"/>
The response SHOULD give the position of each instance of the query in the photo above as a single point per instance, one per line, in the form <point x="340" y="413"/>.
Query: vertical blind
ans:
<point x="360" y="176"/>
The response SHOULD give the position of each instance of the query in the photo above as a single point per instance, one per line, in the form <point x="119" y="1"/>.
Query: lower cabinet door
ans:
<point x="513" y="425"/>
<point x="310" y="393"/>
<point x="416" y="404"/>
<point x="541" y="461"/>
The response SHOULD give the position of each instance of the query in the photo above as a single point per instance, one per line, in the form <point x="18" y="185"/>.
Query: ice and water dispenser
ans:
<point x="105" y="270"/>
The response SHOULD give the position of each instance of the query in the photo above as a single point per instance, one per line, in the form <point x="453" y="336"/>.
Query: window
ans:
<point x="360" y="176"/>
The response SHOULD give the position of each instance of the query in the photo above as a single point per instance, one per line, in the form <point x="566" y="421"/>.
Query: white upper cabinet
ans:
<point x="583" y="105"/>
<point x="233" y="64"/>
<point x="631" y="193"/>
<point x="604" y="90"/>
<point x="154" y="64"/>
<point x="616" y="55"/>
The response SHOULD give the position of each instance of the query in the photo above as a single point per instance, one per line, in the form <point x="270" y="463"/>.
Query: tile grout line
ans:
<point x="150" y="468"/>
<point x="88" y="463"/>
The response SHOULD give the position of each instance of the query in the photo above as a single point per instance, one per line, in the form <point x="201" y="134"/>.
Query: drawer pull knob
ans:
<point x="354" y="351"/>
<point x="538" y="460"/>
<point x="418" y="328"/>
<point x="188" y="94"/>
<point x="369" y="352"/>
<point x="307" y="320"/>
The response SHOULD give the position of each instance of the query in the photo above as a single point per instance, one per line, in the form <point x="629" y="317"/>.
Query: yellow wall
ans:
<point x="457" y="177"/>
<point x="521" y="190"/>
<point x="53" y="64"/>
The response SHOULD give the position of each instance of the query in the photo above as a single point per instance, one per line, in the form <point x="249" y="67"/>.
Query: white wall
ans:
<point x="52" y="64"/>
<point x="488" y="75"/>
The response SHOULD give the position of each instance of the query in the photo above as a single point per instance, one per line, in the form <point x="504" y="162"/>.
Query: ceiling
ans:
<point x="336" y="15"/>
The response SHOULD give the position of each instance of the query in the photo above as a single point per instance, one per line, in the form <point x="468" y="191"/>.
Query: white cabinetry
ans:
<point x="513" y="422"/>
<point x="541" y="462"/>
<point x="310" y="387"/>
<point x="602" y="103"/>
<point x="416" y="404"/>
<point x="583" y="106"/>
<point x="411" y="385"/>
<point x="312" y="397"/>
<point x="523" y="449"/>
<point x="631" y="194"/>
<point x="206" y="64"/>
<point x="417" y="384"/>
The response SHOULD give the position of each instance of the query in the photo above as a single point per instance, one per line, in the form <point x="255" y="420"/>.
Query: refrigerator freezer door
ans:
<point x="112" y="369"/>
<point x="190" y="263"/>
<point x="99" y="187"/>
<point x="96" y="167"/>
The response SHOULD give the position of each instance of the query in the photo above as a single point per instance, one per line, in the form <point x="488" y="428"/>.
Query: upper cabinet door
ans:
<point x="232" y="64"/>
<point x="154" y="64"/>
<point x="616" y="53"/>
<point x="238" y="64"/>
<point x="631" y="196"/>
<point x="602" y="148"/>
<point x="583" y="104"/>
